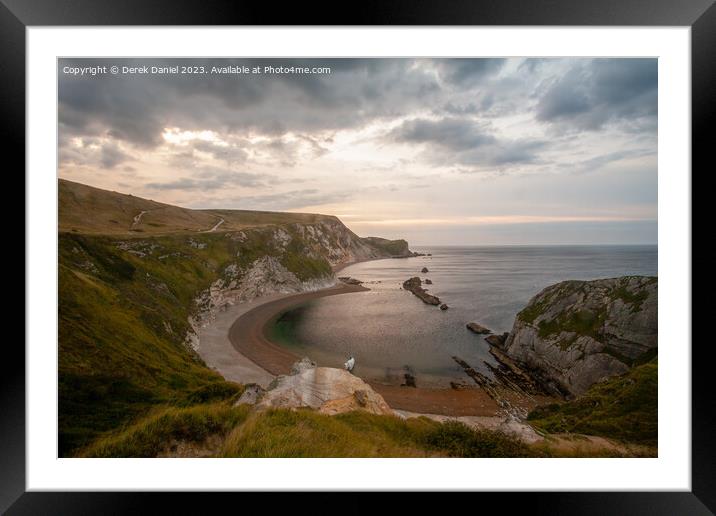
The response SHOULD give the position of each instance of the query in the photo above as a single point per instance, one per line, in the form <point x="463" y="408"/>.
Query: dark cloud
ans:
<point x="468" y="71"/>
<point x="451" y="133"/>
<point x="137" y="108"/>
<point x="602" y="91"/>
<point x="461" y="141"/>
<point x="208" y="179"/>
<point x="295" y="199"/>
<point x="92" y="152"/>
<point x="111" y="155"/>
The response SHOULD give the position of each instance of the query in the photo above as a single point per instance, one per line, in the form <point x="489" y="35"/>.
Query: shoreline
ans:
<point x="248" y="335"/>
<point x="250" y="356"/>
<point x="218" y="352"/>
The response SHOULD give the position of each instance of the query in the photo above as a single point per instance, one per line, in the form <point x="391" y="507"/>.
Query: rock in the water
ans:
<point x="577" y="333"/>
<point x="425" y="270"/>
<point x="409" y="380"/>
<point x="414" y="285"/>
<point x="497" y="340"/>
<point x="428" y="282"/>
<point x="252" y="393"/>
<point x="478" y="328"/>
<point x="326" y="389"/>
<point x="350" y="281"/>
<point x="444" y="306"/>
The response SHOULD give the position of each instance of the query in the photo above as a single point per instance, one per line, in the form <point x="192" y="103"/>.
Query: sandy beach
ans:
<point x="248" y="333"/>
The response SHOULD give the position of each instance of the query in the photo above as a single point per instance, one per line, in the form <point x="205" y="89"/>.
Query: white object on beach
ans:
<point x="349" y="364"/>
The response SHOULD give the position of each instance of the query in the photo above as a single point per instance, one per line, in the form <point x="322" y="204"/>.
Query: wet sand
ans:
<point x="248" y="333"/>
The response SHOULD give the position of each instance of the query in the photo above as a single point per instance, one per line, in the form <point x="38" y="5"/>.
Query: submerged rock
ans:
<point x="428" y="282"/>
<point x="577" y="333"/>
<point x="478" y="328"/>
<point x="326" y="389"/>
<point x="444" y="306"/>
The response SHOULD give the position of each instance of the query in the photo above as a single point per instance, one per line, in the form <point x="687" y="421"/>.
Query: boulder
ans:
<point x="414" y="285"/>
<point x="478" y="328"/>
<point x="409" y="380"/>
<point x="577" y="333"/>
<point x="326" y="389"/>
<point x="425" y="270"/>
<point x="444" y="306"/>
<point x="252" y="393"/>
<point x="428" y="282"/>
<point x="497" y="340"/>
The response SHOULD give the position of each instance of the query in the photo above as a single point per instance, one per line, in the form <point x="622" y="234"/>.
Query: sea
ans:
<point x="391" y="332"/>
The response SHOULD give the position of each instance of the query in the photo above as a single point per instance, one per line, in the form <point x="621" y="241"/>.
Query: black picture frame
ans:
<point x="699" y="15"/>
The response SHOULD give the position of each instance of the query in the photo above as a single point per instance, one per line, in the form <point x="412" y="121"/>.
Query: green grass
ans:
<point x="393" y="247"/>
<point x="631" y="298"/>
<point x="155" y="432"/>
<point x="623" y="408"/>
<point x="304" y="433"/>
<point x="583" y="322"/>
<point x="122" y="323"/>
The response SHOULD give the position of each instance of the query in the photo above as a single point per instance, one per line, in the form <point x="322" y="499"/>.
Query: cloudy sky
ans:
<point x="442" y="151"/>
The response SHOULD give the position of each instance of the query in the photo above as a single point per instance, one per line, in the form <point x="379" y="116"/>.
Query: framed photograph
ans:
<point x="427" y="249"/>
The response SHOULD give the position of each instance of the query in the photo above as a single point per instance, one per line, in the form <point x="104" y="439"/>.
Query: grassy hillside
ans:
<point x="89" y="210"/>
<point x="221" y="430"/>
<point x="623" y="408"/>
<point x="394" y="247"/>
<point x="125" y="296"/>
<point x="123" y="309"/>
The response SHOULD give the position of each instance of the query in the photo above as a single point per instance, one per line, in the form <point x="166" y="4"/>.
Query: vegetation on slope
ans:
<point x="393" y="247"/>
<point x="221" y="430"/>
<point x="114" y="213"/>
<point x="623" y="408"/>
<point x="123" y="308"/>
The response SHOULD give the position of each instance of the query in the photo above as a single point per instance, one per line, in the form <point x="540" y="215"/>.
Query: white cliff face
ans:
<point x="577" y="333"/>
<point x="265" y="276"/>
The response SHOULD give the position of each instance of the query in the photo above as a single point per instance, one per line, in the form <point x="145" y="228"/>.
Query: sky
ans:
<point x="472" y="151"/>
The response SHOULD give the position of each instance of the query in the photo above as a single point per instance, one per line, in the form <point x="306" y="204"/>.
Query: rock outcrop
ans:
<point x="325" y="389"/>
<point x="414" y="285"/>
<point x="576" y="333"/>
<point x="350" y="281"/>
<point x="478" y="328"/>
<point x="497" y="340"/>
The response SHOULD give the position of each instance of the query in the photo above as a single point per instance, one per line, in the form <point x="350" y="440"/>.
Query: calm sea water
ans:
<point x="389" y="330"/>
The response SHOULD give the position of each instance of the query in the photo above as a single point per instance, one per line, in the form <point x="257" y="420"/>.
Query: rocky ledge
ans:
<point x="325" y="389"/>
<point x="576" y="333"/>
<point x="350" y="281"/>
<point x="414" y="285"/>
<point x="478" y="328"/>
